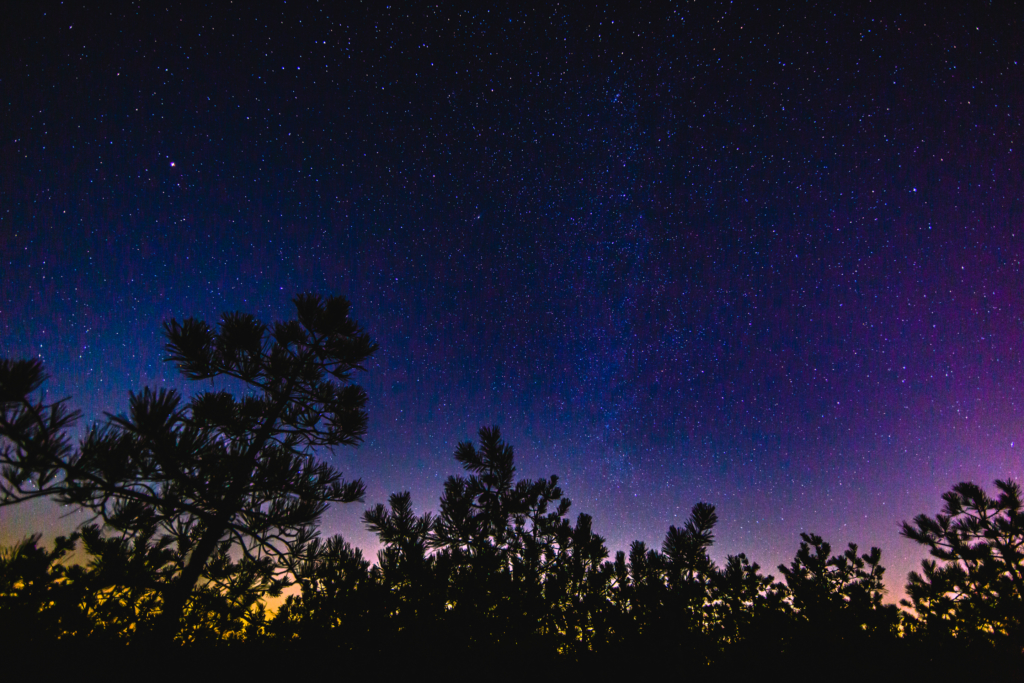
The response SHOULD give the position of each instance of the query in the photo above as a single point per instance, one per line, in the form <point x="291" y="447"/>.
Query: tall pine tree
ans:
<point x="221" y="474"/>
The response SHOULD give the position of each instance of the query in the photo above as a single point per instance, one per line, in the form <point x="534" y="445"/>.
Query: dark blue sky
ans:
<point x="769" y="259"/>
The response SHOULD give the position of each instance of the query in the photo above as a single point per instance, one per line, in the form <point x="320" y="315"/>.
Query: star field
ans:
<point x="768" y="259"/>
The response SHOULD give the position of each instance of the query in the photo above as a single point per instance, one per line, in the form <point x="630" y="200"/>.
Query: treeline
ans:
<point x="209" y="510"/>
<point x="503" y="569"/>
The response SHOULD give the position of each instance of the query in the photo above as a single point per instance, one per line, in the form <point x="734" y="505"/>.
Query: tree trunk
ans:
<point x="168" y="624"/>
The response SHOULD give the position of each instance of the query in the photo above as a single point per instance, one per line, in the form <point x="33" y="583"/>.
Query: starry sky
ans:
<point x="767" y="259"/>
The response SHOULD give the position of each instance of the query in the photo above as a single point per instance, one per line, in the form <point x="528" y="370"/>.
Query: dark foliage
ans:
<point x="974" y="590"/>
<point x="209" y="508"/>
<point x="487" y="601"/>
<point x="839" y="594"/>
<point x="181" y="487"/>
<point x="37" y="589"/>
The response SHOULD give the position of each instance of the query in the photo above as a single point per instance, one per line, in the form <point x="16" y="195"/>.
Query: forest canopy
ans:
<point x="204" y="509"/>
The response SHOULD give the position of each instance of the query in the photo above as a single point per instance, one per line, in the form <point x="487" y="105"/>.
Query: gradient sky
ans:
<point x="767" y="259"/>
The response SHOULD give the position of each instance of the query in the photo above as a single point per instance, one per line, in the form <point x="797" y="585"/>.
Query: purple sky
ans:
<point x="771" y="260"/>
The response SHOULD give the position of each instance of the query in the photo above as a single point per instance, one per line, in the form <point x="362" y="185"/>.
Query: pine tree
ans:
<point x="503" y="542"/>
<point x="838" y="594"/>
<point x="221" y="474"/>
<point x="977" y="592"/>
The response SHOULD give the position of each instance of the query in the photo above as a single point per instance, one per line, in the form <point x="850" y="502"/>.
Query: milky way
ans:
<point x="771" y="260"/>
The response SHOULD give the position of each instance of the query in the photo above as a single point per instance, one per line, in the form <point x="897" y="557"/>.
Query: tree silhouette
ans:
<point x="218" y="475"/>
<point x="661" y="601"/>
<point x="209" y="507"/>
<point x="576" y="588"/>
<point x="340" y="602"/>
<point x="489" y="513"/>
<point x="413" y="586"/>
<point x="747" y="605"/>
<point x="689" y="570"/>
<point x="498" y="541"/>
<point x="42" y="598"/>
<point x="977" y="593"/>
<point x="838" y="595"/>
<point x="35" y="449"/>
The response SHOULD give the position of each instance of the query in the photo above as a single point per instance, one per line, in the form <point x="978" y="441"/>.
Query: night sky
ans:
<point x="767" y="259"/>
